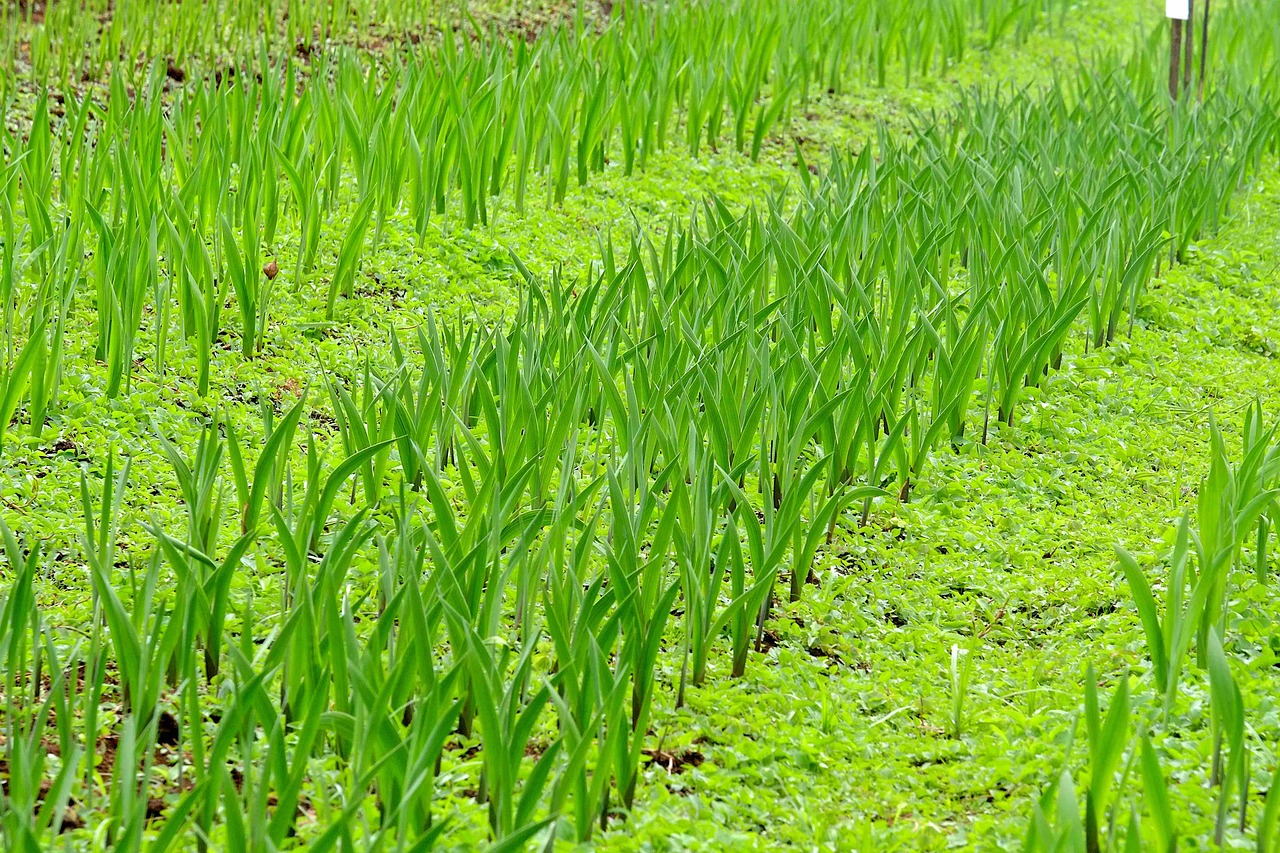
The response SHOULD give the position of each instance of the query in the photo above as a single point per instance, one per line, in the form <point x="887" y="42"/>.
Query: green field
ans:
<point x="695" y="425"/>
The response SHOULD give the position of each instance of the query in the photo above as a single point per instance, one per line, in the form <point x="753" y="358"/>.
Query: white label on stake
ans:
<point x="1179" y="9"/>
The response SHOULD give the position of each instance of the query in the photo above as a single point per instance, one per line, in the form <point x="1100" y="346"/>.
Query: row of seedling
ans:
<point x="1045" y="207"/>
<point x="823" y="40"/>
<point x="486" y="115"/>
<point x="1219" y="551"/>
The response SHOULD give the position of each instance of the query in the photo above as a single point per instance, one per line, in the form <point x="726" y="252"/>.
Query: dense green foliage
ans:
<point x="457" y="441"/>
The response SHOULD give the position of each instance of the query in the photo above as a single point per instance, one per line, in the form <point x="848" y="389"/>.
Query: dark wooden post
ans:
<point x="1204" y="50"/>
<point x="1175" y="55"/>
<point x="1189" y="38"/>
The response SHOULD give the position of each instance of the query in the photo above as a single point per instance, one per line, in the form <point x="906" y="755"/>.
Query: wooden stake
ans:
<point x="1204" y="50"/>
<point x="1175" y="55"/>
<point x="1189" y="38"/>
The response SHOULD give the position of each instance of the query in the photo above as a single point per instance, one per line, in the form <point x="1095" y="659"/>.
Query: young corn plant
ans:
<point x="349" y="253"/>
<point x="961" y="673"/>
<point x="644" y="600"/>
<point x="1230" y="503"/>
<point x="590" y="696"/>
<point x="48" y="323"/>
<point x="1095" y="829"/>
<point x="269" y="474"/>
<point x="1169" y="631"/>
<point x="250" y="285"/>
<point x="1269" y="823"/>
<point x="201" y="485"/>
<point x="144" y="647"/>
<point x="28" y="809"/>
<point x="1108" y="740"/>
<point x="1229" y="731"/>
<point x="16" y="379"/>
<point x="200" y="295"/>
<point x="366" y="423"/>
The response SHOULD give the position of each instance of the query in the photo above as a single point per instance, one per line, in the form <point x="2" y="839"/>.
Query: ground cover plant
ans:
<point x="688" y="426"/>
